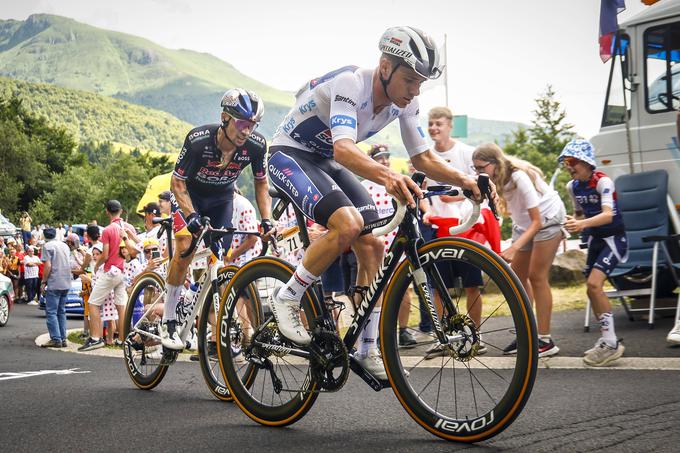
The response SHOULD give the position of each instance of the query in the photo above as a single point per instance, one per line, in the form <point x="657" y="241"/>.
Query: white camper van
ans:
<point x="646" y="63"/>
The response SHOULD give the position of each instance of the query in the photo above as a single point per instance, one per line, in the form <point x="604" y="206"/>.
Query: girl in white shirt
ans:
<point x="537" y="214"/>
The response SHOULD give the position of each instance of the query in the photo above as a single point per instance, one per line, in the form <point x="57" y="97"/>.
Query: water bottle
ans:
<point x="138" y="311"/>
<point x="184" y="307"/>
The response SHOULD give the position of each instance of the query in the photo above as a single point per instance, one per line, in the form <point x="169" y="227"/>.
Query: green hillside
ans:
<point x="58" y="50"/>
<point x="91" y="117"/>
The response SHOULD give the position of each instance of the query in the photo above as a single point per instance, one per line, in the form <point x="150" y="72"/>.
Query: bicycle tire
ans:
<point x="409" y="388"/>
<point x="212" y="375"/>
<point x="145" y="375"/>
<point x="245" y="385"/>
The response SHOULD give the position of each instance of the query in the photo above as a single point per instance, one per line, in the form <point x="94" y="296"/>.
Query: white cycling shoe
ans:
<point x="169" y="336"/>
<point x="373" y="363"/>
<point x="287" y="314"/>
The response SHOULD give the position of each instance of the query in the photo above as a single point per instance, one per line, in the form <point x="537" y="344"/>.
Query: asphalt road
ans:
<point x="97" y="408"/>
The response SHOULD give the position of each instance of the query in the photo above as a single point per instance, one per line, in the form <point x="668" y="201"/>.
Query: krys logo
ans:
<point x="343" y="120"/>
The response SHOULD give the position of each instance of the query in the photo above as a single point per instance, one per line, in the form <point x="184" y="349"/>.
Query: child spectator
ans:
<point x="537" y="214"/>
<point x="596" y="216"/>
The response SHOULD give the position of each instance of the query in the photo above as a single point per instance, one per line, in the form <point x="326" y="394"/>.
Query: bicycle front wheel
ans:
<point x="464" y="389"/>
<point x="272" y="386"/>
<point x="248" y="313"/>
<point x="142" y="348"/>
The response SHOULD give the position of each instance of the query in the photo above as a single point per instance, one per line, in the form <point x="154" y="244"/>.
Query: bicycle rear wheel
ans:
<point x="269" y="384"/>
<point x="247" y="314"/>
<point x="142" y="348"/>
<point x="454" y="391"/>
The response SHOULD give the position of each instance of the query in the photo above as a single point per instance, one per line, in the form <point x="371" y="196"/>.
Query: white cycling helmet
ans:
<point x="415" y="48"/>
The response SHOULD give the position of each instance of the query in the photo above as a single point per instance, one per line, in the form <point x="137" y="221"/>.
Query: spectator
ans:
<point x="13" y="272"/>
<point x="537" y="214"/>
<point x="112" y="277"/>
<point x="25" y="223"/>
<point x="61" y="232"/>
<point x="164" y="203"/>
<point x="3" y="247"/>
<point x="21" y="254"/>
<point x="148" y="212"/>
<point x="383" y="203"/>
<point x="87" y="268"/>
<point x="595" y="215"/>
<point x="31" y="280"/>
<point x="4" y="263"/>
<point x="56" y="282"/>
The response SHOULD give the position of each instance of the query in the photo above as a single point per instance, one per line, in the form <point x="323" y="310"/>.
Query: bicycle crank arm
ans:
<point x="375" y="383"/>
<point x="276" y="382"/>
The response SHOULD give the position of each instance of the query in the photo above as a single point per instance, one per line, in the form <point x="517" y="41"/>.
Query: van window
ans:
<point x="614" y="107"/>
<point x="662" y="72"/>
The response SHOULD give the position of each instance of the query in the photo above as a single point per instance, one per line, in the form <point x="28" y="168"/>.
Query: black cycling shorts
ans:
<point x="317" y="185"/>
<point x="220" y="213"/>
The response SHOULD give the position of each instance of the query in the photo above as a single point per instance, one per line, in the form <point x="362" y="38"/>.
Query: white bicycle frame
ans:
<point x="204" y="280"/>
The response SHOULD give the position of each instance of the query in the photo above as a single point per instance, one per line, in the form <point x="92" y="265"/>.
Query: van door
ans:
<point x="661" y="99"/>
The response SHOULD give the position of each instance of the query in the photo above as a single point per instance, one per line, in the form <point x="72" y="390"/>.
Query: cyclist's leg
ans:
<point x="305" y="179"/>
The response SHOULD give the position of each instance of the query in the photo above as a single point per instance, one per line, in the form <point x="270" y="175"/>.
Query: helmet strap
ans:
<point x="224" y="130"/>
<point x="386" y="82"/>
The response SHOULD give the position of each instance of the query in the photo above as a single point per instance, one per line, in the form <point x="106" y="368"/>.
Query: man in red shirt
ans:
<point x="109" y="270"/>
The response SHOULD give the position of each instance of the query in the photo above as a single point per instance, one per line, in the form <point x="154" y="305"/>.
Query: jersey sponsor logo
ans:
<point x="420" y="130"/>
<point x="283" y="175"/>
<point x="326" y="137"/>
<point x="256" y="138"/>
<point x="363" y="105"/>
<point x="339" y="98"/>
<point x="319" y="80"/>
<point x="199" y="135"/>
<point x="289" y="125"/>
<point x="394" y="111"/>
<point x="343" y="120"/>
<point x="307" y="107"/>
<point x="182" y="153"/>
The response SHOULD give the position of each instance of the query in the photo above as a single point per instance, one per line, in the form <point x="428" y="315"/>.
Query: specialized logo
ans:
<point x="361" y="311"/>
<point x="396" y="52"/>
<point x="343" y="120"/>
<point x="339" y="98"/>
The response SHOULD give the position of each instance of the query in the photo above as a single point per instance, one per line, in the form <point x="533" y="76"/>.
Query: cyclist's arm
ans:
<point x="179" y="189"/>
<point x="347" y="154"/>
<point x="436" y="168"/>
<point x="262" y="198"/>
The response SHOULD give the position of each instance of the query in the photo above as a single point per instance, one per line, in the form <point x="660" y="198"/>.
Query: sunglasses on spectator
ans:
<point x="570" y="161"/>
<point x="480" y="169"/>
<point x="242" y="125"/>
<point x="150" y="250"/>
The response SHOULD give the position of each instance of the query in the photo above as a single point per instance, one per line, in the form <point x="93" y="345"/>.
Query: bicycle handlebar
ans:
<point x="482" y="183"/>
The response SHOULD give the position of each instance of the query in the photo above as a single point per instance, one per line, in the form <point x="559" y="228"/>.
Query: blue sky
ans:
<point x="501" y="54"/>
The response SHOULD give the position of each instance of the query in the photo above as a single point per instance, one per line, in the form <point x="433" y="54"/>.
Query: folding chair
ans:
<point x="643" y="201"/>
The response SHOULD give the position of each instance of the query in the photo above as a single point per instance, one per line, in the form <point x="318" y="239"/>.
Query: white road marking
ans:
<point x="26" y="374"/>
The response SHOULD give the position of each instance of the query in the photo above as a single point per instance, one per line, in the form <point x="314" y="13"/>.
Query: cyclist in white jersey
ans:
<point x="314" y="156"/>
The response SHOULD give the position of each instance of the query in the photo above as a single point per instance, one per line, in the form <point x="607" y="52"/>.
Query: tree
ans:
<point x="542" y="143"/>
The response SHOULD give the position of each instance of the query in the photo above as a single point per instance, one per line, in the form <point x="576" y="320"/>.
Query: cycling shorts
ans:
<point x="606" y="253"/>
<point x="318" y="185"/>
<point x="220" y="217"/>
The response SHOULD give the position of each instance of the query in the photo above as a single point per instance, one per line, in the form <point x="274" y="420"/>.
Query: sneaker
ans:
<point x="64" y="344"/>
<point x="32" y="303"/>
<point x="373" y="363"/>
<point x="482" y="348"/>
<point x="91" y="344"/>
<point x="406" y="340"/>
<point x="52" y="344"/>
<point x="603" y="354"/>
<point x="287" y="314"/>
<point x="546" y="348"/>
<point x="117" y="343"/>
<point x="169" y="336"/>
<point x="511" y="348"/>
<point x="194" y="357"/>
<point x="674" y="335"/>
<point x="436" y="350"/>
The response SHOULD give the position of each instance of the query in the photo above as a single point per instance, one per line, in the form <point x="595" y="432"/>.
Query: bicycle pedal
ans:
<point x="169" y="357"/>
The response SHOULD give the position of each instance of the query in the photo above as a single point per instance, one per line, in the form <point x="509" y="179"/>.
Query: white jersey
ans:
<point x="383" y="202"/>
<point x="340" y="105"/>
<point x="460" y="158"/>
<point x="521" y="195"/>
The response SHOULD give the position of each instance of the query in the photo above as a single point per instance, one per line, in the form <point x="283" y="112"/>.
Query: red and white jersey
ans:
<point x="383" y="203"/>
<point x="288" y="220"/>
<point x="244" y="219"/>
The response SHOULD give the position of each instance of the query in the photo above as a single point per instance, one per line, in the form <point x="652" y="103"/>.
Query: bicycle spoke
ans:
<point x="483" y="388"/>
